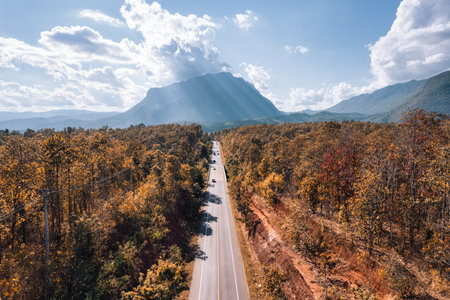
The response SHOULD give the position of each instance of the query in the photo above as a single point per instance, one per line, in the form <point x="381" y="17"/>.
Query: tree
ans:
<point x="163" y="281"/>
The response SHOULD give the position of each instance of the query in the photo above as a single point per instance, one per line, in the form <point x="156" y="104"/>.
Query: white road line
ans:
<point x="226" y="192"/>
<point x="229" y="232"/>
<point x="218" y="246"/>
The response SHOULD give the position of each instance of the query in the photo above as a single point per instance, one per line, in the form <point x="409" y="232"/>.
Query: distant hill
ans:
<point x="55" y="115"/>
<point x="434" y="97"/>
<point x="209" y="98"/>
<point x="389" y="103"/>
<point x="57" y="119"/>
<point x="300" y="117"/>
<point x="381" y="101"/>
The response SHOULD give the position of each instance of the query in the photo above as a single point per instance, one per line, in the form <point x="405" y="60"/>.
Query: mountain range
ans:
<point x="389" y="103"/>
<point x="221" y="100"/>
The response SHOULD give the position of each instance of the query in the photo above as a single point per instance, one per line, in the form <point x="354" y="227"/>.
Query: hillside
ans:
<point x="381" y="101"/>
<point x="435" y="97"/>
<point x="209" y="98"/>
<point x="389" y="103"/>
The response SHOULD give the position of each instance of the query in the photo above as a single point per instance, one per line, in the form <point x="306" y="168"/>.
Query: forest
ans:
<point x="122" y="206"/>
<point x="364" y="205"/>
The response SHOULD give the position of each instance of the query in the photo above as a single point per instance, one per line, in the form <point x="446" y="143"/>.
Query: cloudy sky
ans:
<point x="302" y="54"/>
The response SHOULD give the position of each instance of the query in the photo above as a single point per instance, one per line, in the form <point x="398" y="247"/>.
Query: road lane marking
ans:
<point x="218" y="249"/>
<point x="226" y="192"/>
<point x="229" y="231"/>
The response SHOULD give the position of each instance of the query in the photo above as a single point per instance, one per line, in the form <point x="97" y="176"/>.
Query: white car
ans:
<point x="213" y="180"/>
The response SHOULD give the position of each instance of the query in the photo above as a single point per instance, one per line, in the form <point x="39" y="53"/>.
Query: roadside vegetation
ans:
<point x="359" y="209"/>
<point x="123" y="206"/>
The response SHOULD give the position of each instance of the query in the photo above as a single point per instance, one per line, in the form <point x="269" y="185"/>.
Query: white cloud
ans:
<point x="184" y="44"/>
<point x="299" y="98"/>
<point x="258" y="76"/>
<point x="99" y="17"/>
<point x="83" y="44"/>
<point x="90" y="71"/>
<point x="417" y="45"/>
<point x="318" y="99"/>
<point x="245" y="21"/>
<point x="296" y="49"/>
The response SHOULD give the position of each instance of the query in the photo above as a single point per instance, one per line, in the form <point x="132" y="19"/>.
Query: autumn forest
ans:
<point x="122" y="207"/>
<point x="365" y="205"/>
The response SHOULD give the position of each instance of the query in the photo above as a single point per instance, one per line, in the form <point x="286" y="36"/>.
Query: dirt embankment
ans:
<point x="270" y="249"/>
<point x="304" y="280"/>
<point x="351" y="270"/>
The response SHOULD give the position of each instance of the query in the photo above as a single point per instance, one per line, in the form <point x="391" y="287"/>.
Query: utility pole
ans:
<point x="47" y="244"/>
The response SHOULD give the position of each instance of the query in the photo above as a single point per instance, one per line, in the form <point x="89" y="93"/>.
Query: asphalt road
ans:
<point x="218" y="269"/>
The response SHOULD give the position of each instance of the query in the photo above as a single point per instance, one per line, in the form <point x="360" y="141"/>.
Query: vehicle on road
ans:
<point x="213" y="180"/>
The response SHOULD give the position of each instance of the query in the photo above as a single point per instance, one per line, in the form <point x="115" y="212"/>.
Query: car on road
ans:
<point x="213" y="180"/>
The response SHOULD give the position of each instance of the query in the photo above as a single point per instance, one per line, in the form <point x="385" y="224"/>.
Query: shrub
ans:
<point x="274" y="283"/>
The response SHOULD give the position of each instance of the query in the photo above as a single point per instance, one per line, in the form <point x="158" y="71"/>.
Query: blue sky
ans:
<point x="304" y="54"/>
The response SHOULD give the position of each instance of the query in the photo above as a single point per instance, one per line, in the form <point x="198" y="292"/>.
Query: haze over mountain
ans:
<point x="434" y="97"/>
<point x="57" y="119"/>
<point x="56" y="115"/>
<point x="217" y="97"/>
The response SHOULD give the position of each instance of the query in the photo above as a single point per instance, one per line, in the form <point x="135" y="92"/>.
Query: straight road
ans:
<point x="218" y="269"/>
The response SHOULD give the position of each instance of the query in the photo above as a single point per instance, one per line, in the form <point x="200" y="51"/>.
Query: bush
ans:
<point x="163" y="281"/>
<point x="299" y="234"/>
<point x="273" y="284"/>
<point x="364" y="292"/>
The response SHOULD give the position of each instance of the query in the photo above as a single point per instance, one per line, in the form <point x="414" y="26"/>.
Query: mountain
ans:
<point x="389" y="103"/>
<point x="382" y="100"/>
<point x="54" y="115"/>
<point x="57" y="119"/>
<point x="217" y="97"/>
<point x="218" y="101"/>
<point x="434" y="97"/>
